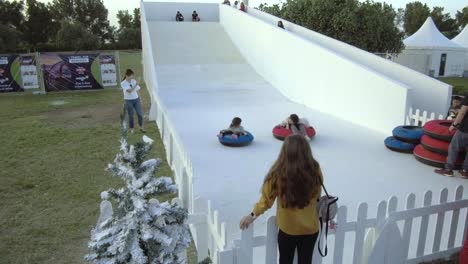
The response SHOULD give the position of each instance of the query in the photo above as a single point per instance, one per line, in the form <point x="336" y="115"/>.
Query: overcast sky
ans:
<point x="115" y="5"/>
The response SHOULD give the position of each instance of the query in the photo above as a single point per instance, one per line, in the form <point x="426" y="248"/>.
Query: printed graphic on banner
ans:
<point x="108" y="70"/>
<point x="68" y="72"/>
<point x="29" y="72"/>
<point x="7" y="80"/>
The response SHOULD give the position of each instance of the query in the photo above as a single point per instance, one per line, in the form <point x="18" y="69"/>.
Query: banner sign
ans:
<point x="7" y="80"/>
<point x="28" y="71"/>
<point x="108" y="70"/>
<point x="68" y="72"/>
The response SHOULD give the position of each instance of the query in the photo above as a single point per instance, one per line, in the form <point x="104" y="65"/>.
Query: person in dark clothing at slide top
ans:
<point x="280" y="24"/>
<point x="195" y="17"/>
<point x="179" y="16"/>
<point x="459" y="142"/>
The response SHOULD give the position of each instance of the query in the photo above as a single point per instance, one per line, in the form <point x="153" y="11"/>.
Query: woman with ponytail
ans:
<point x="130" y="89"/>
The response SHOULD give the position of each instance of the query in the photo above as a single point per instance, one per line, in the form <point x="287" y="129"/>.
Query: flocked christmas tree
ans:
<point x="141" y="229"/>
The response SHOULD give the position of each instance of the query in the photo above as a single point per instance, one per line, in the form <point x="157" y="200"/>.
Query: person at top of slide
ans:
<point x="280" y="24"/>
<point x="227" y="2"/>
<point x="243" y="7"/>
<point x="195" y="17"/>
<point x="179" y="16"/>
<point x="296" y="125"/>
<point x="235" y="129"/>
<point x="294" y="181"/>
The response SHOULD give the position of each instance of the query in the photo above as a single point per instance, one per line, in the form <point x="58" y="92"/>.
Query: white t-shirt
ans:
<point x="128" y="85"/>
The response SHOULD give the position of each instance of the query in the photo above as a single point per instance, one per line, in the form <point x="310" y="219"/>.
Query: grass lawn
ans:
<point x="54" y="149"/>
<point x="460" y="85"/>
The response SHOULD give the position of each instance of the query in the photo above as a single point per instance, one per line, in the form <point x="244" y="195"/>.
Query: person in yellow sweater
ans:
<point x="295" y="181"/>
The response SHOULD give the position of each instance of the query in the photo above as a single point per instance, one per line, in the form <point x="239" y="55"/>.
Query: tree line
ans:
<point x="65" y="25"/>
<point x="29" y="25"/>
<point x="369" y="25"/>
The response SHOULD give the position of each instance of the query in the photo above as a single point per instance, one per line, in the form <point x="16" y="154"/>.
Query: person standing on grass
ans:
<point x="459" y="142"/>
<point x="295" y="180"/>
<point x="130" y="90"/>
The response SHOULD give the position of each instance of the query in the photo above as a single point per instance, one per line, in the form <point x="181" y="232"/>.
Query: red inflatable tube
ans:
<point x="434" y="159"/>
<point x="281" y="133"/>
<point x="439" y="129"/>
<point x="436" y="145"/>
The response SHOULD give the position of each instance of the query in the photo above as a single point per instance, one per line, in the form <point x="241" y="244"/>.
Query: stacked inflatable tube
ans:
<point x="404" y="139"/>
<point x="439" y="129"/>
<point x="409" y="134"/>
<point x="241" y="141"/>
<point x="281" y="132"/>
<point x="397" y="145"/>
<point x="434" y="159"/>
<point x="435" y="145"/>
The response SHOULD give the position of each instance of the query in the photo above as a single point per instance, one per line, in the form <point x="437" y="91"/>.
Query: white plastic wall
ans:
<point x="426" y="93"/>
<point x="307" y="73"/>
<point x="166" y="11"/>
<point x="149" y="71"/>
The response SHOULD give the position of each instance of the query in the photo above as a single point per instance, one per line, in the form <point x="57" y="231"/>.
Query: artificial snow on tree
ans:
<point x="141" y="229"/>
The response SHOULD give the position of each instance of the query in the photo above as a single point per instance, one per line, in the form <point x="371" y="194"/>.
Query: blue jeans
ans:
<point x="134" y="104"/>
<point x="459" y="142"/>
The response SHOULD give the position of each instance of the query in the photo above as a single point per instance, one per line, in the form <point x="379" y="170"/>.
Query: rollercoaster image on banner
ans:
<point x="68" y="71"/>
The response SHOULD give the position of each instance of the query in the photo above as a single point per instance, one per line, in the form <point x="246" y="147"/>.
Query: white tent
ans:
<point x="462" y="40"/>
<point x="430" y="52"/>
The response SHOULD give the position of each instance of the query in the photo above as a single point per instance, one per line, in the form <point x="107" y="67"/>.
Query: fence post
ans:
<point x="455" y="218"/>
<point x="417" y="116"/>
<point x="440" y="221"/>
<point x="271" y="253"/>
<point x="409" y="117"/>
<point x="360" y="230"/>
<point x="410" y="204"/>
<point x="245" y="252"/>
<point x="424" y="224"/>
<point x="341" y="220"/>
<point x="373" y="233"/>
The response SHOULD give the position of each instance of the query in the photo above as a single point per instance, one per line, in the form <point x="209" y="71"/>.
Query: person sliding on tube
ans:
<point x="235" y="129"/>
<point x="296" y="125"/>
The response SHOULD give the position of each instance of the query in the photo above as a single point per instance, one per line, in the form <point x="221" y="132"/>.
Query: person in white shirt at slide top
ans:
<point x="130" y="90"/>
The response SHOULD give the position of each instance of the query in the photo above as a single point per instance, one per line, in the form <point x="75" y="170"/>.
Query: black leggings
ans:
<point x="287" y="245"/>
<point x="229" y="132"/>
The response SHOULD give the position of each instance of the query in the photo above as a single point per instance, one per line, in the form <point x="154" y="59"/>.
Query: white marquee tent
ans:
<point x="462" y="40"/>
<point x="430" y="52"/>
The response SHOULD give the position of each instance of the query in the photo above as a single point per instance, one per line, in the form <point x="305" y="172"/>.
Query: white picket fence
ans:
<point x="383" y="239"/>
<point x="419" y="118"/>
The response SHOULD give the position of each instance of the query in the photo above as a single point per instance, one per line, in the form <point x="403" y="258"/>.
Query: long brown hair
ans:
<point x="295" y="176"/>
<point x="128" y="72"/>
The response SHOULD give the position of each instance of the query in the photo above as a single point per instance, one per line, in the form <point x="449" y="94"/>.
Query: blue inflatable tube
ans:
<point x="243" y="140"/>
<point x="410" y="134"/>
<point x="394" y="144"/>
